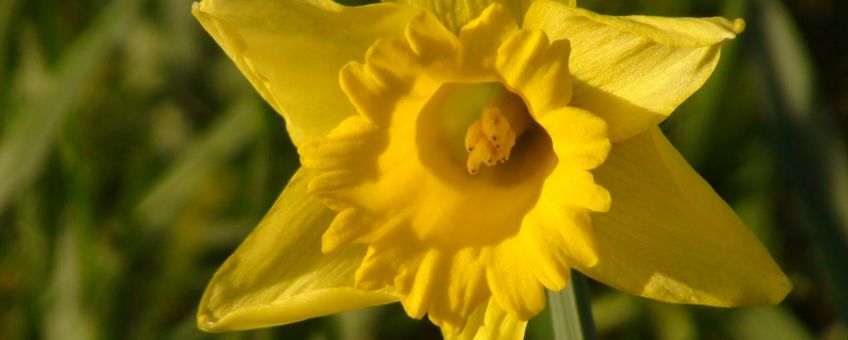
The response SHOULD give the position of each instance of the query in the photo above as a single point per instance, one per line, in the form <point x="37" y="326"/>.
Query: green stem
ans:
<point x="571" y="313"/>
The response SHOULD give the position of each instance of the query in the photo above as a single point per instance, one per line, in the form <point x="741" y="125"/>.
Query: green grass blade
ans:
<point x="571" y="312"/>
<point x="767" y="323"/>
<point x="33" y="128"/>
<point x="811" y="151"/>
<point x="7" y="9"/>
<point x="238" y="127"/>
<point x="66" y="316"/>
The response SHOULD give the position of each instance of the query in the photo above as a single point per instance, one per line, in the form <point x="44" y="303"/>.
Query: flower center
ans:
<point x="430" y="103"/>
<point x="490" y="138"/>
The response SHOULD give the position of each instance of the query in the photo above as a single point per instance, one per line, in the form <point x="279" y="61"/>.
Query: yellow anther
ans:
<point x="489" y="139"/>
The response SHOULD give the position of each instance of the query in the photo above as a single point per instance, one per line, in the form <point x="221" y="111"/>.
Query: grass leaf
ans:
<point x="30" y="135"/>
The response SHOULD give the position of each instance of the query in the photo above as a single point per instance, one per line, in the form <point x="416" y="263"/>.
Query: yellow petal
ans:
<point x="454" y="14"/>
<point x="446" y="283"/>
<point x="559" y="222"/>
<point x="531" y="65"/>
<point x="558" y="234"/>
<point x="291" y="51"/>
<point x="579" y="137"/>
<point x="633" y="71"/>
<point x="278" y="275"/>
<point x="670" y="237"/>
<point x="511" y="277"/>
<point x="490" y="321"/>
<point x="481" y="37"/>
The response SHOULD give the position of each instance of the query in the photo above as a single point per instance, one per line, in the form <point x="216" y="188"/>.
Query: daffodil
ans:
<point x="463" y="156"/>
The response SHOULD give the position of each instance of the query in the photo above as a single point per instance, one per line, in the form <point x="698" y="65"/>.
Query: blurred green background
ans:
<point x="134" y="158"/>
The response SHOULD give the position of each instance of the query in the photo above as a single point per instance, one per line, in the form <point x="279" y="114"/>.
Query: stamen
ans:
<point x="489" y="139"/>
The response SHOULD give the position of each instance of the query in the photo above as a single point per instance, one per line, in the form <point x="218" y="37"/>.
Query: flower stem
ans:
<point x="571" y="313"/>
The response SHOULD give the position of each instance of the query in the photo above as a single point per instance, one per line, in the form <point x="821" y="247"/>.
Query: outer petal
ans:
<point x="456" y="13"/>
<point x="669" y="236"/>
<point x="633" y="71"/>
<point x="291" y="51"/>
<point x="278" y="275"/>
<point x="490" y="321"/>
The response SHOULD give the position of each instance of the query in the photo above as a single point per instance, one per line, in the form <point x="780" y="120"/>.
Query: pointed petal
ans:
<point x="292" y="51"/>
<point x="490" y="321"/>
<point x="278" y="275"/>
<point x="670" y="237"/>
<point x="456" y="13"/>
<point x="633" y="71"/>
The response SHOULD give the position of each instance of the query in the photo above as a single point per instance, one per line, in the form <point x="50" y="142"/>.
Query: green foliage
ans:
<point x="134" y="158"/>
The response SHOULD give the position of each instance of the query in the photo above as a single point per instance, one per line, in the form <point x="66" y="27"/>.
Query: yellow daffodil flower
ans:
<point x="462" y="156"/>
